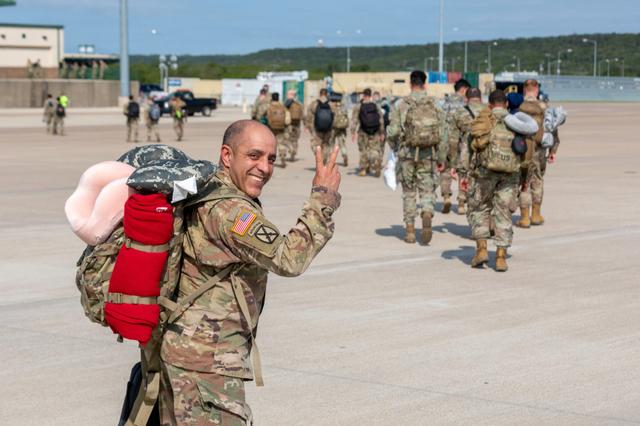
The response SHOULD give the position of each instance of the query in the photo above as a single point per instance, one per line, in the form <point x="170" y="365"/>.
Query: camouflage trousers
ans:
<point x="491" y="198"/>
<point x="132" y="129"/>
<point x="533" y="178"/>
<point x="339" y="136"/>
<point x="283" y="143"/>
<point x="324" y="141"/>
<point x="48" y="118"/>
<point x="152" y="130"/>
<point x="418" y="181"/>
<point x="445" y="176"/>
<point x="196" y="398"/>
<point x="58" y="126"/>
<point x="178" y="127"/>
<point x="445" y="186"/>
<point x="371" y="150"/>
<point x="292" y="134"/>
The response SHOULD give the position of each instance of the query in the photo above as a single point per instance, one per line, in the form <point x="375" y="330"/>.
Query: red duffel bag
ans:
<point x="131" y="309"/>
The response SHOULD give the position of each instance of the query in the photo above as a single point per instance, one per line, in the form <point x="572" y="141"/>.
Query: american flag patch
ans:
<point x="243" y="222"/>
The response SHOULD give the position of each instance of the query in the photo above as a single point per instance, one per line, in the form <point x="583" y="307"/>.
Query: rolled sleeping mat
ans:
<point x="521" y="123"/>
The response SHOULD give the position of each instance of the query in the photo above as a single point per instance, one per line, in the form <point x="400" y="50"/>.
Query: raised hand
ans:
<point x="327" y="175"/>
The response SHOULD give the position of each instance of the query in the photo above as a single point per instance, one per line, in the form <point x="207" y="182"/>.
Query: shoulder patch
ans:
<point x="243" y="222"/>
<point x="266" y="234"/>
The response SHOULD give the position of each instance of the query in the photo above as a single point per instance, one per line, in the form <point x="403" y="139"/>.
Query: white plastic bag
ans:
<point x="389" y="171"/>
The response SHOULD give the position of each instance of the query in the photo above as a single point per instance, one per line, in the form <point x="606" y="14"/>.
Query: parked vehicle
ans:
<point x="195" y="105"/>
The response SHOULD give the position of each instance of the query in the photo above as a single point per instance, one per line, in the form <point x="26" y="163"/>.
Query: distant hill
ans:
<point x="321" y="61"/>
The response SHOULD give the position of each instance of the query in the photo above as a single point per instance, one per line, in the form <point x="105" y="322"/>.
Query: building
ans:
<point x="31" y="51"/>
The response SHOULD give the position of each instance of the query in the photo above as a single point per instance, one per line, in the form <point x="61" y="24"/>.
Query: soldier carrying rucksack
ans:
<point x="340" y="126"/>
<point x="367" y="124"/>
<point x="320" y="122"/>
<point x="292" y="130"/>
<point x="416" y="134"/>
<point x="132" y="112"/>
<point x="277" y="117"/>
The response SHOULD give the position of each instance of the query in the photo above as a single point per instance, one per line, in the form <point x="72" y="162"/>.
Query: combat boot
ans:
<point x="346" y="161"/>
<point x="501" y="259"/>
<point x="461" y="208"/>
<point x="524" y="221"/>
<point x="376" y="170"/>
<point x="410" y="237"/>
<point x="536" y="217"/>
<point x="293" y="157"/>
<point x="482" y="256"/>
<point x="362" y="172"/>
<point x="427" y="233"/>
<point x="446" y="206"/>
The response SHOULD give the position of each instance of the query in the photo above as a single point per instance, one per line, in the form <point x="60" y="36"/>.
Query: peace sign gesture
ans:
<point x="327" y="175"/>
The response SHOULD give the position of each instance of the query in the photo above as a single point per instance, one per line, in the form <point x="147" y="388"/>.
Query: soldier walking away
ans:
<point x="340" y="126"/>
<point x="64" y="101"/>
<point x="229" y="241"/>
<point x="178" y="112"/>
<point x="535" y="164"/>
<point x="296" y="114"/>
<point x="277" y="122"/>
<point x="152" y="114"/>
<point x="495" y="182"/>
<point x="58" y="119"/>
<point x="367" y="124"/>
<point x="131" y="110"/>
<point x="416" y="134"/>
<point x="452" y="105"/>
<point x="49" y="112"/>
<point x="319" y="123"/>
<point x="462" y="120"/>
<point x="260" y="106"/>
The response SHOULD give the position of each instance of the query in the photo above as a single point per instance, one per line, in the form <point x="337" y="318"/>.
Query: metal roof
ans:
<point x="58" y="27"/>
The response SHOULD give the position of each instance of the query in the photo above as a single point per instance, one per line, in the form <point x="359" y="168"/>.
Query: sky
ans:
<point x="237" y="27"/>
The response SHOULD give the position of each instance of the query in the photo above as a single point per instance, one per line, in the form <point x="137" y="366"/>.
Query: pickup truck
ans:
<point x="203" y="106"/>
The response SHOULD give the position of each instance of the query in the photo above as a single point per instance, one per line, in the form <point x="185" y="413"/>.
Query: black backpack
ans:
<point x="369" y="118"/>
<point x="133" y="110"/>
<point x="323" y="118"/>
<point x="60" y="112"/>
<point x="387" y="112"/>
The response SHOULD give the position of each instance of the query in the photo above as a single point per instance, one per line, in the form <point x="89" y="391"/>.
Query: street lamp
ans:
<point x="595" y="54"/>
<point x="517" y="58"/>
<point x="495" y="43"/>
<point x="548" y="56"/>
<point x="621" y="67"/>
<point x="339" y="33"/>
<point x="558" y="63"/>
<point x="164" y="64"/>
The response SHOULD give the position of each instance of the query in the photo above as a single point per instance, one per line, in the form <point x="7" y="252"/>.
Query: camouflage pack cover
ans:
<point x="421" y="128"/>
<point x="159" y="176"/>
<point x="146" y="154"/>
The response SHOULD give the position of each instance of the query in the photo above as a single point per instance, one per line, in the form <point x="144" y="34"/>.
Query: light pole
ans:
<point x="339" y="33"/>
<point x="595" y="55"/>
<point x="495" y="43"/>
<point x="517" y="58"/>
<point x="608" y="61"/>
<point x="621" y="67"/>
<point x="466" y="46"/>
<point x="441" y="45"/>
<point x="548" y="56"/>
<point x="164" y="64"/>
<point x="124" y="51"/>
<point x="558" y="63"/>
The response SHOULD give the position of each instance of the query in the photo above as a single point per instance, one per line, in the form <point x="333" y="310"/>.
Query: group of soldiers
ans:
<point x="54" y="112"/>
<point x="151" y="112"/>
<point x="435" y="143"/>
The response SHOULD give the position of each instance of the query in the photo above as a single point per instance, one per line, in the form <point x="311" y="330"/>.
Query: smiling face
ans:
<point x="249" y="158"/>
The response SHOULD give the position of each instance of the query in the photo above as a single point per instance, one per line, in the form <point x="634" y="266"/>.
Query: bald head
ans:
<point x="237" y="131"/>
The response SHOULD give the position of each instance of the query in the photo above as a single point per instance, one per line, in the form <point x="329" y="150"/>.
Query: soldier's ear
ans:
<point x="226" y="154"/>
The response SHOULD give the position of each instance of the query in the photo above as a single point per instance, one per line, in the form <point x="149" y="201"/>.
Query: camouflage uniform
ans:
<point x="416" y="167"/>
<point x="58" y="121"/>
<point x="132" y="124"/>
<point x="49" y="113"/>
<point x="491" y="198"/>
<point x="536" y="163"/>
<point x="283" y="142"/>
<point x="177" y="105"/>
<point x="339" y="136"/>
<point x="292" y="135"/>
<point x="454" y="104"/>
<point x="259" y="108"/>
<point x="371" y="147"/>
<point x="206" y="353"/>
<point x="151" y="125"/>
<point x="321" y="139"/>
<point x="462" y="120"/>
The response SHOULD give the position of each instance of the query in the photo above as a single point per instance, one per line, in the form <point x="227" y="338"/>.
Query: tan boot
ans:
<point x="482" y="256"/>
<point x="410" y="237"/>
<point x="461" y="208"/>
<point x="427" y="233"/>
<point x="536" y="217"/>
<point x="446" y="206"/>
<point x="524" y="221"/>
<point x="345" y="161"/>
<point x="362" y="172"/>
<point x="501" y="259"/>
<point x="377" y="170"/>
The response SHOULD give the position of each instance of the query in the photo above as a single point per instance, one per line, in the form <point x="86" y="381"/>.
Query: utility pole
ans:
<point x="466" y="46"/>
<point x="595" y="55"/>
<point x="441" y="47"/>
<point x="124" y="51"/>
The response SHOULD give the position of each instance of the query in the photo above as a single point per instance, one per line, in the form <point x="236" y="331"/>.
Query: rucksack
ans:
<point x="421" y="127"/>
<point x="97" y="263"/>
<point x="276" y="116"/>
<point x="323" y="117"/>
<point x="369" y="118"/>
<point x="386" y="109"/>
<point x="341" y="120"/>
<point x="499" y="156"/>
<point x="60" y="111"/>
<point x="133" y="110"/>
<point x="154" y="112"/>
<point x="295" y="109"/>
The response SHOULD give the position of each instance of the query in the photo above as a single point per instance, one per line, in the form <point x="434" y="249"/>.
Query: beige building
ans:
<point x="30" y="50"/>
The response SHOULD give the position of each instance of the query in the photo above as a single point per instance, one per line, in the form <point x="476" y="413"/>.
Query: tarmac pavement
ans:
<point x="376" y="332"/>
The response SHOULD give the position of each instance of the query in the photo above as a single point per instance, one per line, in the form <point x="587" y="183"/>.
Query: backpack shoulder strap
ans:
<point x="470" y="111"/>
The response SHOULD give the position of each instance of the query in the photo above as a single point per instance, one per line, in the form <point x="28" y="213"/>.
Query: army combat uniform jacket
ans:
<point x="213" y="335"/>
